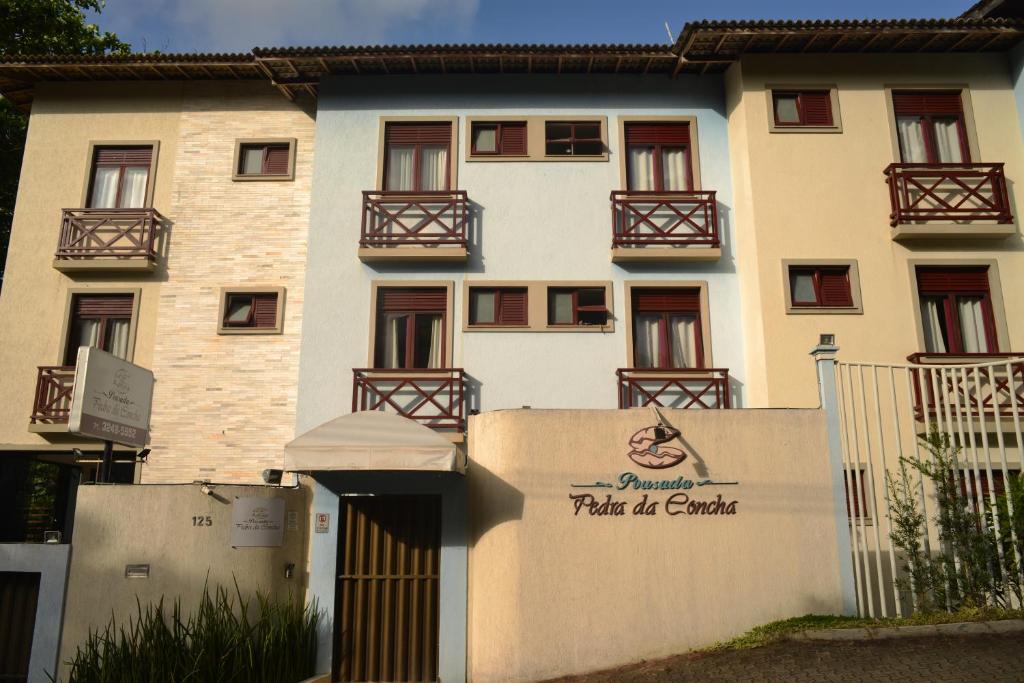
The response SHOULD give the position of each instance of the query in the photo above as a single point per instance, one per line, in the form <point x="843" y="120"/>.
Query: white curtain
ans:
<point x="641" y="168"/>
<point x="786" y="110"/>
<point x="683" y="336"/>
<point x="394" y="336"/>
<point x="133" y="194"/>
<point x="104" y="188"/>
<point x="932" y="320"/>
<point x="561" y="304"/>
<point x="88" y="334"/>
<point x="434" y="358"/>
<point x="433" y="167"/>
<point x="972" y="324"/>
<point x="802" y="288"/>
<point x="947" y="142"/>
<point x="673" y="168"/>
<point x="483" y="307"/>
<point x="239" y="308"/>
<point x="647" y="341"/>
<point x="400" y="170"/>
<point x="485" y="139"/>
<point x="252" y="160"/>
<point x="117" y="338"/>
<point x="911" y="135"/>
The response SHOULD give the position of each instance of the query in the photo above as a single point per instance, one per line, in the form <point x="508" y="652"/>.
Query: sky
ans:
<point x="238" y="25"/>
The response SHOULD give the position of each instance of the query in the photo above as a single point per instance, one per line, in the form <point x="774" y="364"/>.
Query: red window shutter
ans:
<point x="513" y="309"/>
<point x="513" y="138"/>
<point x="816" y="108"/>
<point x="666" y="301"/>
<point x="124" y="156"/>
<point x="657" y="133"/>
<point x="835" y="288"/>
<point x="920" y="103"/>
<point x="264" y="310"/>
<point x="418" y="133"/>
<point x="952" y="280"/>
<point x="104" y="305"/>
<point x="275" y="160"/>
<point x="401" y="299"/>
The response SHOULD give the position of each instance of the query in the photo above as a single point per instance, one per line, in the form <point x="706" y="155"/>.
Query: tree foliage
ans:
<point x="39" y="27"/>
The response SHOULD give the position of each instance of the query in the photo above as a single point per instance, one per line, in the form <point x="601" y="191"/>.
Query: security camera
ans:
<point x="272" y="477"/>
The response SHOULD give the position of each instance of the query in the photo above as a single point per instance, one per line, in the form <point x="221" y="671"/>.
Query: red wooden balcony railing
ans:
<point x="991" y="392"/>
<point x="394" y="219"/>
<point x="669" y="219"/>
<point x="434" y="397"/>
<point x="706" y="388"/>
<point x="108" y="234"/>
<point x="54" y="387"/>
<point x="947" y="192"/>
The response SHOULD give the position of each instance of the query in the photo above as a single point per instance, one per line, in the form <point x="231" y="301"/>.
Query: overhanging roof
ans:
<point x="716" y="44"/>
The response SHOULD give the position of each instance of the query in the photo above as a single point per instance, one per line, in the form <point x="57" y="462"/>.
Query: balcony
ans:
<point x="664" y="226"/>
<point x="107" y="239"/>
<point x="427" y="226"/>
<point x="696" y="388"/>
<point x="434" y="397"/>
<point x="969" y="395"/>
<point x="52" y="405"/>
<point x="948" y="201"/>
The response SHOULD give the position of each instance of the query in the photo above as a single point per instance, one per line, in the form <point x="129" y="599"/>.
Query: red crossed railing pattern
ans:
<point x="947" y="192"/>
<point x="995" y="391"/>
<point x="54" y="386"/>
<point x="706" y="388"/>
<point x="393" y="219"/>
<point x="664" y="219"/>
<point x="108" y="233"/>
<point x="433" y="397"/>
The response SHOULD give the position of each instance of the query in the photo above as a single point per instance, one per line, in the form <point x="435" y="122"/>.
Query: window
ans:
<point x="820" y="287"/>
<point x="855" y="478"/>
<point x="100" y="320"/>
<point x="577" y="306"/>
<point x="264" y="160"/>
<point x="573" y="138"/>
<point x="930" y="127"/>
<point x="956" y="310"/>
<point x="505" y="138"/>
<point x="417" y="156"/>
<point x="502" y="306"/>
<point x="411" y="324"/>
<point x="658" y="157"/>
<point x="667" y="329"/>
<point x="802" y="108"/>
<point x="119" y="178"/>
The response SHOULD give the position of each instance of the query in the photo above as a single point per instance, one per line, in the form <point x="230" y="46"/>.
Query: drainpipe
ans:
<point x="825" y="360"/>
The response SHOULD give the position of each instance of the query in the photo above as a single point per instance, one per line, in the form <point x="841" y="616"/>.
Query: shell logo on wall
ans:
<point x="648" y="449"/>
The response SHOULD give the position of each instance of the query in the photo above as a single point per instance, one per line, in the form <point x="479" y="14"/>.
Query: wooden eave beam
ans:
<point x="957" y="43"/>
<point x="984" y="46"/>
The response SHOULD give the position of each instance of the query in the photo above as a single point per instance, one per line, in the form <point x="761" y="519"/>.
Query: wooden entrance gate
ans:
<point x="19" y="593"/>
<point x="387" y="593"/>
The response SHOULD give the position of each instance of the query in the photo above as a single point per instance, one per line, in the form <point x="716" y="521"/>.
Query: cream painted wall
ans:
<point x="553" y="593"/>
<point x="120" y="525"/>
<point x="65" y="118"/>
<point x="820" y="195"/>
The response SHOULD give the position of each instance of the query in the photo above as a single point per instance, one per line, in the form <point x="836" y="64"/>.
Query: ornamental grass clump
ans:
<point x="224" y="640"/>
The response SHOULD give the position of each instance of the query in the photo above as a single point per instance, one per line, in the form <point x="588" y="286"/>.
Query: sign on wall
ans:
<point x="654" y="448"/>
<point x="257" y="522"/>
<point x="112" y="398"/>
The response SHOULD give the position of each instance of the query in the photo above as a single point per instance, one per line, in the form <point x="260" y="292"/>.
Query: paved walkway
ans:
<point x="934" y="659"/>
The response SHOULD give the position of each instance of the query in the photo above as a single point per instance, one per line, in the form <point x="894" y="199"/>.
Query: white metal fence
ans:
<point x="884" y="411"/>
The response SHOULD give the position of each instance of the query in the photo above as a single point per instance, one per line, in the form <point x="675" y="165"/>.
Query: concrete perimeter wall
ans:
<point x="555" y="591"/>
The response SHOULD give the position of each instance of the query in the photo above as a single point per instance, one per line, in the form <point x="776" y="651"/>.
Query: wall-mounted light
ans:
<point x="289" y="570"/>
<point x="827" y="339"/>
<point x="136" y="571"/>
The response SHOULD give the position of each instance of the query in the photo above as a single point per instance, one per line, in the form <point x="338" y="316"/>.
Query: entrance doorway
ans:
<point x="19" y="594"/>
<point x="386" y="626"/>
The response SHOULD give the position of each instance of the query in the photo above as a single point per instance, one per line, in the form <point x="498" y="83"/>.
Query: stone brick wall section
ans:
<point x="224" y="405"/>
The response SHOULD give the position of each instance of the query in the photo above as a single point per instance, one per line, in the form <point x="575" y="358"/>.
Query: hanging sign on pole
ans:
<point x="112" y="399"/>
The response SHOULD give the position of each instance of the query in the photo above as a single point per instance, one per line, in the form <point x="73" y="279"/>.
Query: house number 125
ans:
<point x="202" y="520"/>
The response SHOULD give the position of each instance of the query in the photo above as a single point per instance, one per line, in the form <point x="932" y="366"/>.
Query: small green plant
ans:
<point x="223" y="640"/>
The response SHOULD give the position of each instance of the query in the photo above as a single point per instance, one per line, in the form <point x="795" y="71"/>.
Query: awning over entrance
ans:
<point x="372" y="441"/>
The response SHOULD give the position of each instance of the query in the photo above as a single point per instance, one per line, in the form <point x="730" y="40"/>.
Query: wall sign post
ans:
<point x="112" y="401"/>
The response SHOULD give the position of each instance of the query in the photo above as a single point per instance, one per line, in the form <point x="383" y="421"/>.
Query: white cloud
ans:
<point x="233" y="25"/>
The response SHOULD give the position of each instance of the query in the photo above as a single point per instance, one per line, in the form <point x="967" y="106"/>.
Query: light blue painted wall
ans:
<point x="453" y="561"/>
<point x="538" y="221"/>
<point x="1016" y="58"/>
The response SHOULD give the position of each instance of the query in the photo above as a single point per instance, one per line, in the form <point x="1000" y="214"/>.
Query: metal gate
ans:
<point x="387" y="605"/>
<point x="884" y="411"/>
<point x="19" y="593"/>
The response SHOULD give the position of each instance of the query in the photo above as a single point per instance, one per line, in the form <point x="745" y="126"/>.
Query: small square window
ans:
<point x="573" y="138"/>
<point x="803" y="108"/>
<point x="820" y="287"/>
<point x="505" y="306"/>
<point x="583" y="306"/>
<point x="268" y="160"/>
<point x="251" y="311"/>
<point x="501" y="138"/>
